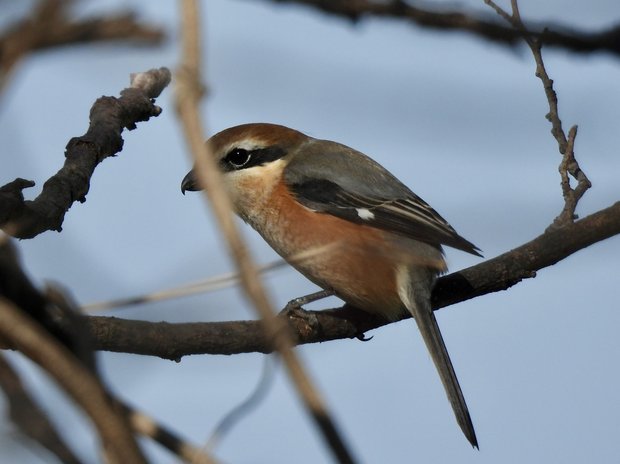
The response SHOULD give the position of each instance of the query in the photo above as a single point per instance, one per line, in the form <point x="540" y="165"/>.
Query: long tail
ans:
<point x="415" y="294"/>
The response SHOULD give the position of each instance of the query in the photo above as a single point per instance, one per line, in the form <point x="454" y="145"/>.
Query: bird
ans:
<point x="384" y="243"/>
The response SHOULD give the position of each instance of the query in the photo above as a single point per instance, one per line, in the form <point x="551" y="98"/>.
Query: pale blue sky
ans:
<point x="459" y="120"/>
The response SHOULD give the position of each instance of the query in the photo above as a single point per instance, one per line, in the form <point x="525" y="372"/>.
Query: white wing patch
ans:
<point x="365" y="214"/>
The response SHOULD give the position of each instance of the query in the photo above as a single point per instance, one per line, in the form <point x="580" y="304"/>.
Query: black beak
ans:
<point x="190" y="183"/>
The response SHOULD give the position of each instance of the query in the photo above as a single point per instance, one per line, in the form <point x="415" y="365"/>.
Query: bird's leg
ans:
<point x="297" y="303"/>
<point x="294" y="309"/>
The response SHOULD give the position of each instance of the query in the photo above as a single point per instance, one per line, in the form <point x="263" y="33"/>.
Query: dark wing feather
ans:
<point x="409" y="216"/>
<point x="335" y="179"/>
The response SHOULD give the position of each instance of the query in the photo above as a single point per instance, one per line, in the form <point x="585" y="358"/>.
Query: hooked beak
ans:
<point x="190" y="183"/>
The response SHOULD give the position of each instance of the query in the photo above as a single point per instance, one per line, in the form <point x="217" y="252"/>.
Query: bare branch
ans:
<point x="58" y="315"/>
<point x="244" y="408"/>
<point x="145" y="425"/>
<point x="188" y="97"/>
<point x="503" y="14"/>
<point x="29" y="417"/>
<point x="173" y="341"/>
<point x="49" y="26"/>
<point x="568" y="165"/>
<point x="33" y="341"/>
<point x="205" y="285"/>
<point x="481" y="25"/>
<point x="108" y="117"/>
<point x="52" y="311"/>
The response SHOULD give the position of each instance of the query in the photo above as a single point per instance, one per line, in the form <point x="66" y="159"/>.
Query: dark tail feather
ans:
<point x="422" y="312"/>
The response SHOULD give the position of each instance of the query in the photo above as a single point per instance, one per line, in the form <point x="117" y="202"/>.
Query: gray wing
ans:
<point x="348" y="184"/>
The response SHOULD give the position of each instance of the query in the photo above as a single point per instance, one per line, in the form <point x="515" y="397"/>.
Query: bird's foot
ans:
<point x="299" y="302"/>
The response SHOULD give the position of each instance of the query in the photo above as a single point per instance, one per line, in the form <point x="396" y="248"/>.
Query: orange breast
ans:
<point x="358" y="262"/>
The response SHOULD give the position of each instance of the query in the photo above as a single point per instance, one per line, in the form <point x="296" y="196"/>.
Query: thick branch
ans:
<point x="481" y="25"/>
<point x="109" y="116"/>
<point x="173" y="341"/>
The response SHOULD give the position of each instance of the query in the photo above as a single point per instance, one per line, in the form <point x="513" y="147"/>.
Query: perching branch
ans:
<point x="173" y="341"/>
<point x="109" y="116"/>
<point x="482" y="25"/>
<point x="176" y="340"/>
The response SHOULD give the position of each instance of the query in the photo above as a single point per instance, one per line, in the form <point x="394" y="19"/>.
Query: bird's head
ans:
<point x="251" y="158"/>
<point x="247" y="151"/>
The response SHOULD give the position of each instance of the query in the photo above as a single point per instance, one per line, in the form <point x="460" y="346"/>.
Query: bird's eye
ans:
<point x="238" y="157"/>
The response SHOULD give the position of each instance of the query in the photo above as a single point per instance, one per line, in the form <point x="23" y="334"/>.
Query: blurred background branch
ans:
<point x="33" y="341"/>
<point x="50" y="26"/>
<point x="482" y="25"/>
<point x="64" y="350"/>
<point x="27" y="415"/>
<point x="188" y="97"/>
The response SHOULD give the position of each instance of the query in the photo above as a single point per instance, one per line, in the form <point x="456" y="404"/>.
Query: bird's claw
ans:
<point x="363" y="338"/>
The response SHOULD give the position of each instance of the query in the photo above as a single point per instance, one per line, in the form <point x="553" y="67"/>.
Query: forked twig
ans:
<point x="569" y="166"/>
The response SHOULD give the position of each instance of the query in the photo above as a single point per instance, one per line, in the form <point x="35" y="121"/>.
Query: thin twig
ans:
<point x="188" y="98"/>
<point x="515" y="11"/>
<point x="568" y="165"/>
<point x="204" y="286"/>
<point x="147" y="426"/>
<point x="246" y="406"/>
<point x="30" y="338"/>
<point x="501" y="12"/>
